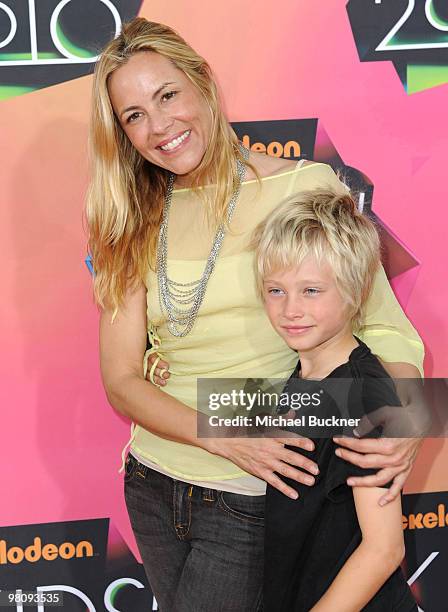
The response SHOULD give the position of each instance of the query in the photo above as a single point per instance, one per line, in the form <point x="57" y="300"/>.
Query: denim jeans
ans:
<point x="202" y="549"/>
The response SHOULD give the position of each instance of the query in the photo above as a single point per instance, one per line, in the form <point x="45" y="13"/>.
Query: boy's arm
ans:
<point x="392" y="456"/>
<point x="376" y="558"/>
<point x="390" y="336"/>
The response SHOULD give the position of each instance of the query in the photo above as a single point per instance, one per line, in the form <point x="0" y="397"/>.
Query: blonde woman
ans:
<point x="172" y="204"/>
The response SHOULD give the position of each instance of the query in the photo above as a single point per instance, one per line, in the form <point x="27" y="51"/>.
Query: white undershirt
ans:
<point x="243" y="485"/>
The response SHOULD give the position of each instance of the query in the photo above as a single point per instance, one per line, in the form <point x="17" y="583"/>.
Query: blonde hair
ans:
<point x="327" y="226"/>
<point x="126" y="192"/>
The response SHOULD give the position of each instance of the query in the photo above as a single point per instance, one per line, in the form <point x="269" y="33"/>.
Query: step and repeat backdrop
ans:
<point x="362" y="85"/>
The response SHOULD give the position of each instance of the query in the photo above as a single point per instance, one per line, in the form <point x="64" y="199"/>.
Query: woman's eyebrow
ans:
<point x="154" y="95"/>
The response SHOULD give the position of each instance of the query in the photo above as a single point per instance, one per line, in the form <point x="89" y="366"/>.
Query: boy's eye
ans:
<point x="275" y="291"/>
<point x="168" y="95"/>
<point x="311" y="291"/>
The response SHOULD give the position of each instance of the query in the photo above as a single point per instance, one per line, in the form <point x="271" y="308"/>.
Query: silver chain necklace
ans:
<point x="181" y="301"/>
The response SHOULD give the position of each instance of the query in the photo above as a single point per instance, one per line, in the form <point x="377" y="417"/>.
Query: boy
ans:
<point x="334" y="549"/>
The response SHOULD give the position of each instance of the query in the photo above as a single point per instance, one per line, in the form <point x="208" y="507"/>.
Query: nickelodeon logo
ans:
<point x="276" y="149"/>
<point x="34" y="552"/>
<point x="426" y="520"/>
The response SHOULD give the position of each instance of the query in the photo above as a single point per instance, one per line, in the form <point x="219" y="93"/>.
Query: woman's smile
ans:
<point x="173" y="145"/>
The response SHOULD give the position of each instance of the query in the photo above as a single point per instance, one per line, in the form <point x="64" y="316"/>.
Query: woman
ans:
<point x="166" y="163"/>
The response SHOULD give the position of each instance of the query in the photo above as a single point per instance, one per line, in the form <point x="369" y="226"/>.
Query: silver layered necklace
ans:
<point x="181" y="301"/>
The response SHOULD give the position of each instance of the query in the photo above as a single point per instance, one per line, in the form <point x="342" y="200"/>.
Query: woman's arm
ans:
<point x="122" y="347"/>
<point x="376" y="558"/>
<point x="387" y="331"/>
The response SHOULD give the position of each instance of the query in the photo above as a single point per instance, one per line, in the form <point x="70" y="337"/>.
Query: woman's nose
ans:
<point x="161" y="122"/>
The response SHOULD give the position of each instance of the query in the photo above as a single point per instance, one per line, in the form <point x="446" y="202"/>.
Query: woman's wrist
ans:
<point x="213" y="445"/>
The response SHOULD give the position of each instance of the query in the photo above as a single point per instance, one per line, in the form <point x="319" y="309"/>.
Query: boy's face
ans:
<point x="305" y="306"/>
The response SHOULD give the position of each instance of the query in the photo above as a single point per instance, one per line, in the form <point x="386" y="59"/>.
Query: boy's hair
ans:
<point x="328" y="226"/>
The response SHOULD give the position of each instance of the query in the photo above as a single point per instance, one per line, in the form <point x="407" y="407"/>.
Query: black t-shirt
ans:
<point x="308" y="540"/>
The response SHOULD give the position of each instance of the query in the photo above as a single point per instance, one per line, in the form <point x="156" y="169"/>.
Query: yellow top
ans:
<point x="232" y="336"/>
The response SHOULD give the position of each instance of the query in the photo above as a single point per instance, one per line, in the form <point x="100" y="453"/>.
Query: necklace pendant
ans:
<point x="190" y="295"/>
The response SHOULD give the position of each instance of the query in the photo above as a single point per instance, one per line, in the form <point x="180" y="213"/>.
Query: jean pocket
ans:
<point x="134" y="470"/>
<point x="248" y="508"/>
<point x="130" y="466"/>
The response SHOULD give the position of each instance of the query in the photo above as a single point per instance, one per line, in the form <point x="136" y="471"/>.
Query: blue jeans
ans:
<point x="202" y="549"/>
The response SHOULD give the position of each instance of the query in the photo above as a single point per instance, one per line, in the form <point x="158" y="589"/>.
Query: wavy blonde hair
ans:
<point x="328" y="226"/>
<point x="126" y="192"/>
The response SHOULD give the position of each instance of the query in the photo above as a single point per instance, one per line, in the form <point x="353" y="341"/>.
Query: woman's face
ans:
<point x="163" y="114"/>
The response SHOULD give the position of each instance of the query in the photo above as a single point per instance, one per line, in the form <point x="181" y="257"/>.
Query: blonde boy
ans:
<point x="334" y="549"/>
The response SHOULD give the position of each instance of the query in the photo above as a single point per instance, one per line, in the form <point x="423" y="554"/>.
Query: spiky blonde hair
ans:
<point x="327" y="226"/>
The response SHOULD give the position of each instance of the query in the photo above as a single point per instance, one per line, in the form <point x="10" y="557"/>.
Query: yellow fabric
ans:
<point x="232" y="336"/>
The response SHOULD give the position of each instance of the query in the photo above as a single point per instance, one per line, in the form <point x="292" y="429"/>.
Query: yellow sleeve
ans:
<point x="387" y="331"/>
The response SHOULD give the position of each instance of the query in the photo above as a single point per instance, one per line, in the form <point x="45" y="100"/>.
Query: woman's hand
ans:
<point x="161" y="372"/>
<point x="394" y="457"/>
<point x="267" y="457"/>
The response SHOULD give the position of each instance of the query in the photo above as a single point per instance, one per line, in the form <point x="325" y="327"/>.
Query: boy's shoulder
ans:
<point x="362" y="363"/>
<point x="370" y="385"/>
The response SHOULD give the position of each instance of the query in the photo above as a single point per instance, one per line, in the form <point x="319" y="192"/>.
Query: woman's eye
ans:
<point x="311" y="291"/>
<point x="132" y="117"/>
<point x="168" y="95"/>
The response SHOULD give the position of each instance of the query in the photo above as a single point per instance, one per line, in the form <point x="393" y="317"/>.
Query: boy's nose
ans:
<point x="293" y="309"/>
